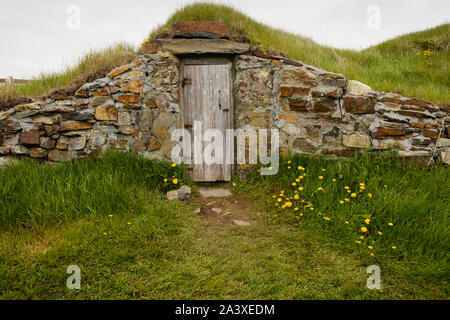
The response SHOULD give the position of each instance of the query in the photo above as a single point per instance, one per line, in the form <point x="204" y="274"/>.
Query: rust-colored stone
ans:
<point x="359" y="105"/>
<point x="324" y="105"/>
<point x="388" y="132"/>
<point x="50" y="130"/>
<point x="108" y="113"/>
<point x="289" y="91"/>
<point x="58" y="155"/>
<point x="129" y="98"/>
<point x="82" y="93"/>
<point x="30" y="137"/>
<point x="430" y="133"/>
<point x="151" y="103"/>
<point x="200" y="29"/>
<point x="134" y="86"/>
<point x="151" y="47"/>
<point x="119" y="71"/>
<point x="101" y="92"/>
<point x="288" y="118"/>
<point x="74" y="126"/>
<point x="38" y="153"/>
<point x="154" y="145"/>
<point x="298" y="105"/>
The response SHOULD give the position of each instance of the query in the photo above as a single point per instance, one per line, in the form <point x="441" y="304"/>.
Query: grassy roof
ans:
<point x="393" y="65"/>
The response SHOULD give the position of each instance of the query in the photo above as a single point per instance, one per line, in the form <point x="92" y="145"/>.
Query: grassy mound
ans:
<point x="390" y="66"/>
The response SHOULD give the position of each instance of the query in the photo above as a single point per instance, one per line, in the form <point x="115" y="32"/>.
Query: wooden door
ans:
<point x="207" y="96"/>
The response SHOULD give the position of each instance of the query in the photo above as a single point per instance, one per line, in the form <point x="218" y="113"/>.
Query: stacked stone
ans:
<point x="134" y="108"/>
<point x="322" y="112"/>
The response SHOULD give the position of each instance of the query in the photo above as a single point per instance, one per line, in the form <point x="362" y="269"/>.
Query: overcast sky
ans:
<point x="42" y="36"/>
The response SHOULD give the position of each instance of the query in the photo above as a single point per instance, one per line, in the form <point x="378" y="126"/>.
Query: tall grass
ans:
<point x="33" y="194"/>
<point x="93" y="65"/>
<point x="416" y="202"/>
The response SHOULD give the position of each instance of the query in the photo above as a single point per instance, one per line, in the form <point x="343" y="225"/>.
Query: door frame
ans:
<point x="207" y="60"/>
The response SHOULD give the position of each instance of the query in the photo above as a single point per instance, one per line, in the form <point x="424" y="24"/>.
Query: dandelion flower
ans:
<point x="311" y="208"/>
<point x="370" y="247"/>
<point x="346" y="188"/>
<point x="346" y="222"/>
<point x="128" y="223"/>
<point x="104" y="233"/>
<point x="294" y="184"/>
<point x="301" y="188"/>
<point x="334" y="180"/>
<point x="372" y="254"/>
<point x="353" y="195"/>
<point x="390" y="224"/>
<point x="279" y="199"/>
<point x="296" y="209"/>
<point x="296" y="197"/>
<point x="323" y="170"/>
<point x="288" y="204"/>
<point x="319" y="189"/>
<point x="367" y="221"/>
<point x="380" y="233"/>
<point x="320" y="177"/>
<point x="347" y="200"/>
<point x="341" y="201"/>
<point x="289" y="167"/>
<point x="174" y="165"/>
<point x="369" y="195"/>
<point x="358" y="242"/>
<point x="110" y="215"/>
<point x="362" y="237"/>
<point x="394" y="247"/>
<point x="289" y="162"/>
<point x="175" y="181"/>
<point x="363" y="229"/>
<point x="165" y="180"/>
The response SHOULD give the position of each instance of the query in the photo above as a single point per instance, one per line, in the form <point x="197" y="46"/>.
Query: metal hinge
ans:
<point x="187" y="82"/>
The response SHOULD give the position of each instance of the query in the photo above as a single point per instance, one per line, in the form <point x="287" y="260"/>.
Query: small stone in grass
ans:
<point x="241" y="223"/>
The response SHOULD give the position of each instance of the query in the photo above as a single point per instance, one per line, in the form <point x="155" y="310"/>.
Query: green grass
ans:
<point x="33" y="194"/>
<point x="154" y="249"/>
<point x="390" y="66"/>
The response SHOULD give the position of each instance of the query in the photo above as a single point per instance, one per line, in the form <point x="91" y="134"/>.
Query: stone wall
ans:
<point x="136" y="107"/>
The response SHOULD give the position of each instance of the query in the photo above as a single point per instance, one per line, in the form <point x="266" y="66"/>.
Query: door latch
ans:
<point x="186" y="82"/>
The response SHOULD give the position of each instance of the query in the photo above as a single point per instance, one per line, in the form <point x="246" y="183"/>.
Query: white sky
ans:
<point x="35" y="37"/>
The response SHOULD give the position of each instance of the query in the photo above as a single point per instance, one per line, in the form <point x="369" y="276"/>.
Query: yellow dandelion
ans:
<point x="128" y="223"/>
<point x="110" y="215"/>
<point x="346" y="222"/>
<point x="319" y="189"/>
<point x="363" y="229"/>
<point x="296" y="197"/>
<point x="361" y="237"/>
<point x="289" y="167"/>
<point x="288" y="204"/>
<point x="369" y="195"/>
<point x="301" y="188"/>
<point x="353" y="195"/>
<point x="165" y="180"/>
<point x="323" y="170"/>
<point x="367" y="221"/>
<point x="301" y="214"/>
<point x="394" y="247"/>
<point x="358" y="242"/>
<point x="347" y="200"/>
<point x="320" y="177"/>
<point x="346" y="188"/>
<point x="294" y="184"/>
<point x="372" y="254"/>
<point x="297" y="180"/>
<point x="175" y="181"/>
<point x="370" y="247"/>
<point x="289" y="162"/>
<point x="334" y="180"/>
<point x="311" y="208"/>
<point x="174" y="165"/>
<point x="104" y="233"/>
<point x="341" y="201"/>
<point x="296" y="209"/>
<point x="380" y="233"/>
<point x="390" y="224"/>
<point x="279" y="199"/>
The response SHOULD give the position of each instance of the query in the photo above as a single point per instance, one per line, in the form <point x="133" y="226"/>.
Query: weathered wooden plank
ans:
<point x="205" y="99"/>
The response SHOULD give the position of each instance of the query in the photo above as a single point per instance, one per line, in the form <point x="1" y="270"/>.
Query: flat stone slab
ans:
<point x="215" y="193"/>
<point x="241" y="223"/>
<point x="200" y="46"/>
